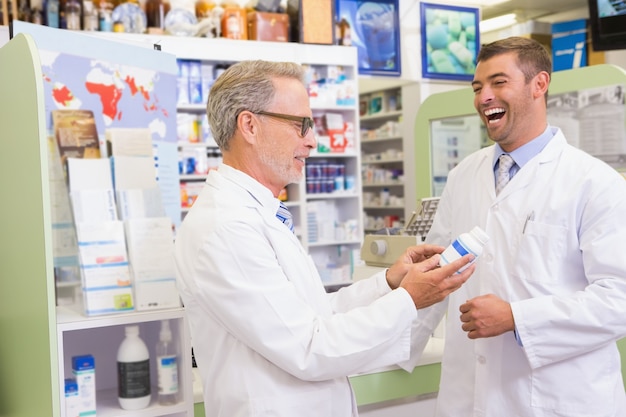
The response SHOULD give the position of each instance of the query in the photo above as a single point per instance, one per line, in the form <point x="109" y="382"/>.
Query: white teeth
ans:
<point x="489" y="112"/>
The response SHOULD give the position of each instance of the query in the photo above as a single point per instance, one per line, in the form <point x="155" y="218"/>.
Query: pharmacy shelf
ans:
<point x="383" y="116"/>
<point x="101" y="336"/>
<point x="108" y="406"/>
<point x="383" y="157"/>
<point x="43" y="338"/>
<point x="72" y="318"/>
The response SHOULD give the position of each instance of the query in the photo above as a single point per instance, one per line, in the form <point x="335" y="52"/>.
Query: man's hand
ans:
<point x="411" y="255"/>
<point x="486" y="316"/>
<point x="428" y="284"/>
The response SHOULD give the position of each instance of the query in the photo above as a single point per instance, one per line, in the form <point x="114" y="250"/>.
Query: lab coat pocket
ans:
<point x="541" y="252"/>
<point x="311" y="403"/>
<point x="580" y="386"/>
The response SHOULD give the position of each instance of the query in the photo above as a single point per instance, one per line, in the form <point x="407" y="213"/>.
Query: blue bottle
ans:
<point x="52" y="13"/>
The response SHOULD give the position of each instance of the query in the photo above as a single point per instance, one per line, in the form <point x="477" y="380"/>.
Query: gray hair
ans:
<point x="246" y="85"/>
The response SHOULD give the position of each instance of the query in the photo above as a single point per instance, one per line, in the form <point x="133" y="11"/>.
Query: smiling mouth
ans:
<point x="494" y="114"/>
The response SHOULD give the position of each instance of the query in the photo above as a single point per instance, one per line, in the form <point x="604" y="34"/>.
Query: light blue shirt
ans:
<point x="521" y="156"/>
<point x="524" y="153"/>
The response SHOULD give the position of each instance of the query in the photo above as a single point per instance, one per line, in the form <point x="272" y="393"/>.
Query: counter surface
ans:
<point x="368" y="387"/>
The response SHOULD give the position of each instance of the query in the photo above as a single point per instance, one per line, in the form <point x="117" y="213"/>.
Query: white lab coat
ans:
<point x="564" y="275"/>
<point x="268" y="339"/>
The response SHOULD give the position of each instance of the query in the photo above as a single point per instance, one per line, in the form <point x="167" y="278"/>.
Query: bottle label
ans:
<point x="168" y="374"/>
<point x="133" y="379"/>
<point x="460" y="248"/>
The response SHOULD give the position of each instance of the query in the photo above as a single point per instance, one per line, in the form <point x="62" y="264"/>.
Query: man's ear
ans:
<point x="542" y="82"/>
<point x="248" y="125"/>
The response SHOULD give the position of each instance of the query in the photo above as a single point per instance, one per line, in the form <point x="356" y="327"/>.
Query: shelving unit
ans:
<point x="191" y="183"/>
<point x="333" y="238"/>
<point x="101" y="336"/>
<point x="382" y="160"/>
<point x="40" y="338"/>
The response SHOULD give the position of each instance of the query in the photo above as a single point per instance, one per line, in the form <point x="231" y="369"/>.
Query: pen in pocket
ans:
<point x="529" y="218"/>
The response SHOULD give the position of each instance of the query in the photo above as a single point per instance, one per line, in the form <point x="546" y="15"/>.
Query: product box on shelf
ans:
<point x="84" y="371"/>
<point x="189" y="191"/>
<point x="311" y="21"/>
<point x="72" y="398"/>
<point x="377" y="103"/>
<point x="264" y="26"/>
<point x="235" y="23"/>
<point x="195" y="82"/>
<point x="336" y="130"/>
<point x="182" y="82"/>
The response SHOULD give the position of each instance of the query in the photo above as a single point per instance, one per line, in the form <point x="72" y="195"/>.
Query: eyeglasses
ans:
<point x="306" y="123"/>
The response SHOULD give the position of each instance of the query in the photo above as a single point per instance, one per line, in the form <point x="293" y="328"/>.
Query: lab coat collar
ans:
<point x="552" y="149"/>
<point x="239" y="179"/>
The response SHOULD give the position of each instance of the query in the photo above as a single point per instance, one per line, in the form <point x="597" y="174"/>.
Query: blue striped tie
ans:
<point x="284" y="216"/>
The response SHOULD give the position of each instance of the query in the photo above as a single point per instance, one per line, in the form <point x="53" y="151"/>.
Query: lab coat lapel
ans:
<point x="534" y="170"/>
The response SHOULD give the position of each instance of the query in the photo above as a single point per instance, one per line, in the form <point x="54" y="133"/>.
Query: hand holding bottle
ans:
<point x="411" y="255"/>
<point x="427" y="283"/>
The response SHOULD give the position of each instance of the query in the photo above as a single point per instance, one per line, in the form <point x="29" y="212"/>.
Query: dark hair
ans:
<point x="532" y="57"/>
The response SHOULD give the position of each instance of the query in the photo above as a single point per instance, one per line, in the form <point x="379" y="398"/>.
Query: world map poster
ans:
<point x="119" y="95"/>
<point x="123" y="85"/>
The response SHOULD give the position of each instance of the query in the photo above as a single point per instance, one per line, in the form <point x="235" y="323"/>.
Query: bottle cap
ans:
<point x="480" y="234"/>
<point x="166" y="333"/>
<point x="132" y="330"/>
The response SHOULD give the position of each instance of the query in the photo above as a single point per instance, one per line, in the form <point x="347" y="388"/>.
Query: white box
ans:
<point x="84" y="371"/>
<point x="72" y="403"/>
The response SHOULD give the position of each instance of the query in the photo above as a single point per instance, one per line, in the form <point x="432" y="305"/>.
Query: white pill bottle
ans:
<point x="471" y="242"/>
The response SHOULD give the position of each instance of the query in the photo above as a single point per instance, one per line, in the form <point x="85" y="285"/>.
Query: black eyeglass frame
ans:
<point x="306" y="123"/>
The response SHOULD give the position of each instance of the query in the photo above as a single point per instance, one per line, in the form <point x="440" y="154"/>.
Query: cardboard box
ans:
<point x="264" y="26"/>
<point x="84" y="372"/>
<point x="234" y="23"/>
<point x="312" y="21"/>
<point x="72" y="398"/>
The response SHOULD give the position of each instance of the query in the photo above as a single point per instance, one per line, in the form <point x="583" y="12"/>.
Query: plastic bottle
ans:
<point x="384" y="197"/>
<point x="73" y="14"/>
<point x="90" y="16"/>
<point x="105" y="16"/>
<point x="156" y="10"/>
<point x="471" y="242"/>
<point x="133" y="371"/>
<point x="167" y="366"/>
<point x="52" y="13"/>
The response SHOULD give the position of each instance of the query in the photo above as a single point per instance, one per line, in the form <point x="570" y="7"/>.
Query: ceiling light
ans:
<point x="499" y="22"/>
<point x="481" y="3"/>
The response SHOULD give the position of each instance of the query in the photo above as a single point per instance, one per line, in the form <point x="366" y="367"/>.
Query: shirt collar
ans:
<point x="258" y="191"/>
<point x="525" y="153"/>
